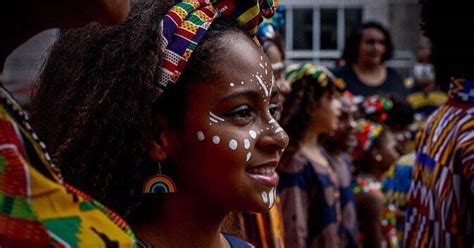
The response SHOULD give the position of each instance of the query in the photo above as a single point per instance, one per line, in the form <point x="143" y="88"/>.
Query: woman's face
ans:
<point x="387" y="149"/>
<point x="346" y="129"/>
<point x="326" y="114"/>
<point x="230" y="145"/>
<point x="276" y="60"/>
<point x="372" y="47"/>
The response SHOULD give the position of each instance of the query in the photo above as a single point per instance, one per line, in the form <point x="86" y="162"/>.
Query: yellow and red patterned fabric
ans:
<point x="36" y="208"/>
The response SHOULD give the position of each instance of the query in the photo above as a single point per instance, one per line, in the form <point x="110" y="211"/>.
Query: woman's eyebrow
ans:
<point x="245" y="93"/>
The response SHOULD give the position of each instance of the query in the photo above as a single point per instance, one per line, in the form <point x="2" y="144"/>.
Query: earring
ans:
<point x="378" y="157"/>
<point x="159" y="183"/>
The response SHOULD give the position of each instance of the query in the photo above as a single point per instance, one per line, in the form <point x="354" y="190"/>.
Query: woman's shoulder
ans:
<point x="236" y="242"/>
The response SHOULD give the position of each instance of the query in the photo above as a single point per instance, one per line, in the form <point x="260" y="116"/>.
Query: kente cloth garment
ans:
<point x="440" y="212"/>
<point x="349" y="228"/>
<point x="388" y="219"/>
<point x="310" y="203"/>
<point x="186" y="23"/>
<point x="36" y="208"/>
<point x="265" y="230"/>
<point x="396" y="184"/>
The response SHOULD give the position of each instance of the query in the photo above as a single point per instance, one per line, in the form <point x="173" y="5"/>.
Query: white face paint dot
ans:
<point x="242" y="82"/>
<point x="249" y="155"/>
<point x="246" y="143"/>
<point x="233" y="144"/>
<point x="200" y="136"/>
<point x="231" y="85"/>
<point x="253" y="134"/>
<point x="216" y="140"/>
<point x="264" y="197"/>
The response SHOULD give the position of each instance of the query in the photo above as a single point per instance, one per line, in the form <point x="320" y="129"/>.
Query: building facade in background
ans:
<point x="315" y="30"/>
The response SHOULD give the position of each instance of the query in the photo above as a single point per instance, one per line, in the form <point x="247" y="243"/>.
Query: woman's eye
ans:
<point x="274" y="109"/>
<point x="243" y="111"/>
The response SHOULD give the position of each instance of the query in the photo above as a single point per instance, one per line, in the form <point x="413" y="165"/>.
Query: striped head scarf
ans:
<point x="367" y="133"/>
<point x="320" y="74"/>
<point x="183" y="27"/>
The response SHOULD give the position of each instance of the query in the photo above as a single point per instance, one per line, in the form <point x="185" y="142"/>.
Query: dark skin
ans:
<point x="19" y="20"/>
<point x="212" y="178"/>
<point x="370" y="204"/>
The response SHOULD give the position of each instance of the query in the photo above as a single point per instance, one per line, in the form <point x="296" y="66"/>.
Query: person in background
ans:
<point x="339" y="144"/>
<point x="37" y="204"/>
<point x="309" y="187"/>
<point x="441" y="197"/>
<point x="425" y="96"/>
<point x="374" y="154"/>
<point x="364" y="71"/>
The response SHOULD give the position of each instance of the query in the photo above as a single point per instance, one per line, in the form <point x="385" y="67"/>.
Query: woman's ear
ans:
<point x="161" y="144"/>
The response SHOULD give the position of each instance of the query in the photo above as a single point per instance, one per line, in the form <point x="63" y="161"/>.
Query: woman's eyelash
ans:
<point x="243" y="111"/>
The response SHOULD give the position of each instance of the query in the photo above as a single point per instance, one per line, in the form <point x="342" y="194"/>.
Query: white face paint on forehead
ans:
<point x="200" y="136"/>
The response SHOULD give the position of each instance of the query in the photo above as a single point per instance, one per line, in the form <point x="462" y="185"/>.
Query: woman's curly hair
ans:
<point x="298" y="108"/>
<point x="95" y="104"/>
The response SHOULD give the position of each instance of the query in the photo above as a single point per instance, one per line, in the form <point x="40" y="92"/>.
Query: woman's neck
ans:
<point x="184" y="220"/>
<point x="370" y="74"/>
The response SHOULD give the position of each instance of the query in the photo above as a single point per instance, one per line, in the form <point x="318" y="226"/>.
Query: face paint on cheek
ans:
<point x="200" y="136"/>
<point x="261" y="65"/>
<point x="265" y="197"/>
<point x="271" y="196"/>
<point x="214" y="118"/>
<point x="242" y="82"/>
<point x="216" y="139"/>
<point x="272" y="121"/>
<point x="232" y="85"/>
<point x="246" y="144"/>
<point x="278" y="130"/>
<point x="253" y="134"/>
<point x="249" y="155"/>
<point x="233" y="144"/>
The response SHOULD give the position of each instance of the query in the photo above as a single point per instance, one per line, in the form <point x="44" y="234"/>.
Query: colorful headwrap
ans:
<point x="376" y="108"/>
<point x="320" y="74"/>
<point x="367" y="133"/>
<point x="186" y="23"/>
<point x="267" y="29"/>
<point x="462" y="90"/>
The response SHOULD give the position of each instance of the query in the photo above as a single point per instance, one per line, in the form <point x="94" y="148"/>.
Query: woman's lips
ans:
<point x="265" y="174"/>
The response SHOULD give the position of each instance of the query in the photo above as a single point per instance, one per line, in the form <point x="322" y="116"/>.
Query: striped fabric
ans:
<point x="186" y="23"/>
<point x="442" y="188"/>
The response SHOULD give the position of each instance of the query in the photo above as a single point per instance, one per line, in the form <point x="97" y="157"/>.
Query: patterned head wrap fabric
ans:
<point x="376" y="108"/>
<point x="186" y="23"/>
<point x="320" y="74"/>
<point x="267" y="29"/>
<point x="367" y="133"/>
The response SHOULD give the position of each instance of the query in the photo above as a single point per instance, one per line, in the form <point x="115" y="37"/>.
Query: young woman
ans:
<point x="309" y="187"/>
<point x="375" y="152"/>
<point x="339" y="144"/>
<point x="130" y="126"/>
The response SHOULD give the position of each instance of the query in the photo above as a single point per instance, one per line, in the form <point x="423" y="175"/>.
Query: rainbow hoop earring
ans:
<point x="159" y="184"/>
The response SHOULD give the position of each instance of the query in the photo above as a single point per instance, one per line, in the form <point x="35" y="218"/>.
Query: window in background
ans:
<point x="328" y="29"/>
<point x="303" y="29"/>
